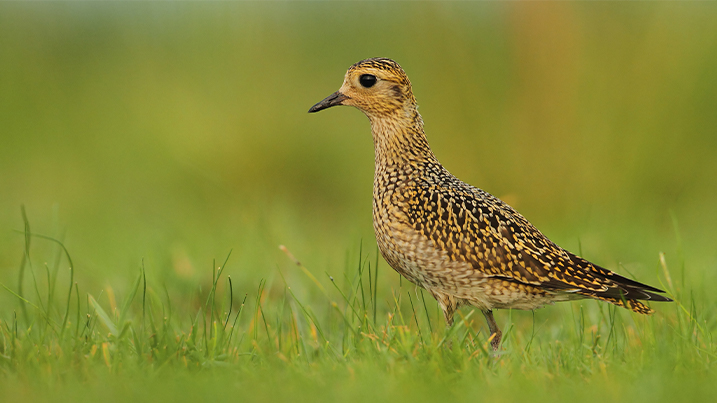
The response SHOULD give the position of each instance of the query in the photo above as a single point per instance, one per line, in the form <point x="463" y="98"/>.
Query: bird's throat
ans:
<point x="400" y="139"/>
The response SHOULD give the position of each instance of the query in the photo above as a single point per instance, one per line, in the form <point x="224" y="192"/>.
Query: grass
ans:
<point x="145" y="140"/>
<point x="350" y="338"/>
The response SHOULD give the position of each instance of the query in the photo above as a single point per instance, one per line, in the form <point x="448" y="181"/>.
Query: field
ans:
<point x="175" y="226"/>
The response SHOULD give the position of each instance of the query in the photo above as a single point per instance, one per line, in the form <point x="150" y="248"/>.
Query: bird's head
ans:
<point x="378" y="87"/>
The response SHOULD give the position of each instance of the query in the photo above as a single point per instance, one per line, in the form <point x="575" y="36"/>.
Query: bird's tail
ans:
<point x="631" y="304"/>
<point x="619" y="290"/>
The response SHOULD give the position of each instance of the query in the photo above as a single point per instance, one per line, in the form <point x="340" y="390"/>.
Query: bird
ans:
<point x="458" y="242"/>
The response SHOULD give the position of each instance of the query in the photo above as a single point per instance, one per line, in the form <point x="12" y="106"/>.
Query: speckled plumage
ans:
<point x="459" y="242"/>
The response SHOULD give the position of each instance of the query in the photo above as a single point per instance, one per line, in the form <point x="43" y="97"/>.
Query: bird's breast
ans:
<point x="408" y="250"/>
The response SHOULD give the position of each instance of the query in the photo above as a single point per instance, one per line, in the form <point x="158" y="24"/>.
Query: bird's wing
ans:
<point x="473" y="226"/>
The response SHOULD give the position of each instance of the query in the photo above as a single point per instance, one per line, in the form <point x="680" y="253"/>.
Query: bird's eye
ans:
<point x="367" y="80"/>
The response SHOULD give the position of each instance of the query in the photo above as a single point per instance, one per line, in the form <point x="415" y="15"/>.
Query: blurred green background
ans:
<point x="176" y="132"/>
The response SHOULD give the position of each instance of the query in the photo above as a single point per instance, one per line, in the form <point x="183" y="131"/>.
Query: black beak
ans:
<point x="332" y="100"/>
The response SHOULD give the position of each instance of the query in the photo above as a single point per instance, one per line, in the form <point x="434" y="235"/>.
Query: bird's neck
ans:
<point x="399" y="139"/>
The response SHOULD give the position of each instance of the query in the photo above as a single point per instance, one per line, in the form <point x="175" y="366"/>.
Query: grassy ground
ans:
<point x="353" y="343"/>
<point x="146" y="141"/>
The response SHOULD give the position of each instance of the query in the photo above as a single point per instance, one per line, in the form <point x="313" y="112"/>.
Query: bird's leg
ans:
<point x="448" y="304"/>
<point x="496" y="334"/>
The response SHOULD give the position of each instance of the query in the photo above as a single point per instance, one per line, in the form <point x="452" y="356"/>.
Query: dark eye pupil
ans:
<point x="367" y="80"/>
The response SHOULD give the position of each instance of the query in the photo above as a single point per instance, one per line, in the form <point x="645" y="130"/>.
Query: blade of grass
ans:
<point x="103" y="316"/>
<point x="23" y="263"/>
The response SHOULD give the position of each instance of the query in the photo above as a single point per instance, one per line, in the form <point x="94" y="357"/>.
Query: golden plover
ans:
<point x="462" y="244"/>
